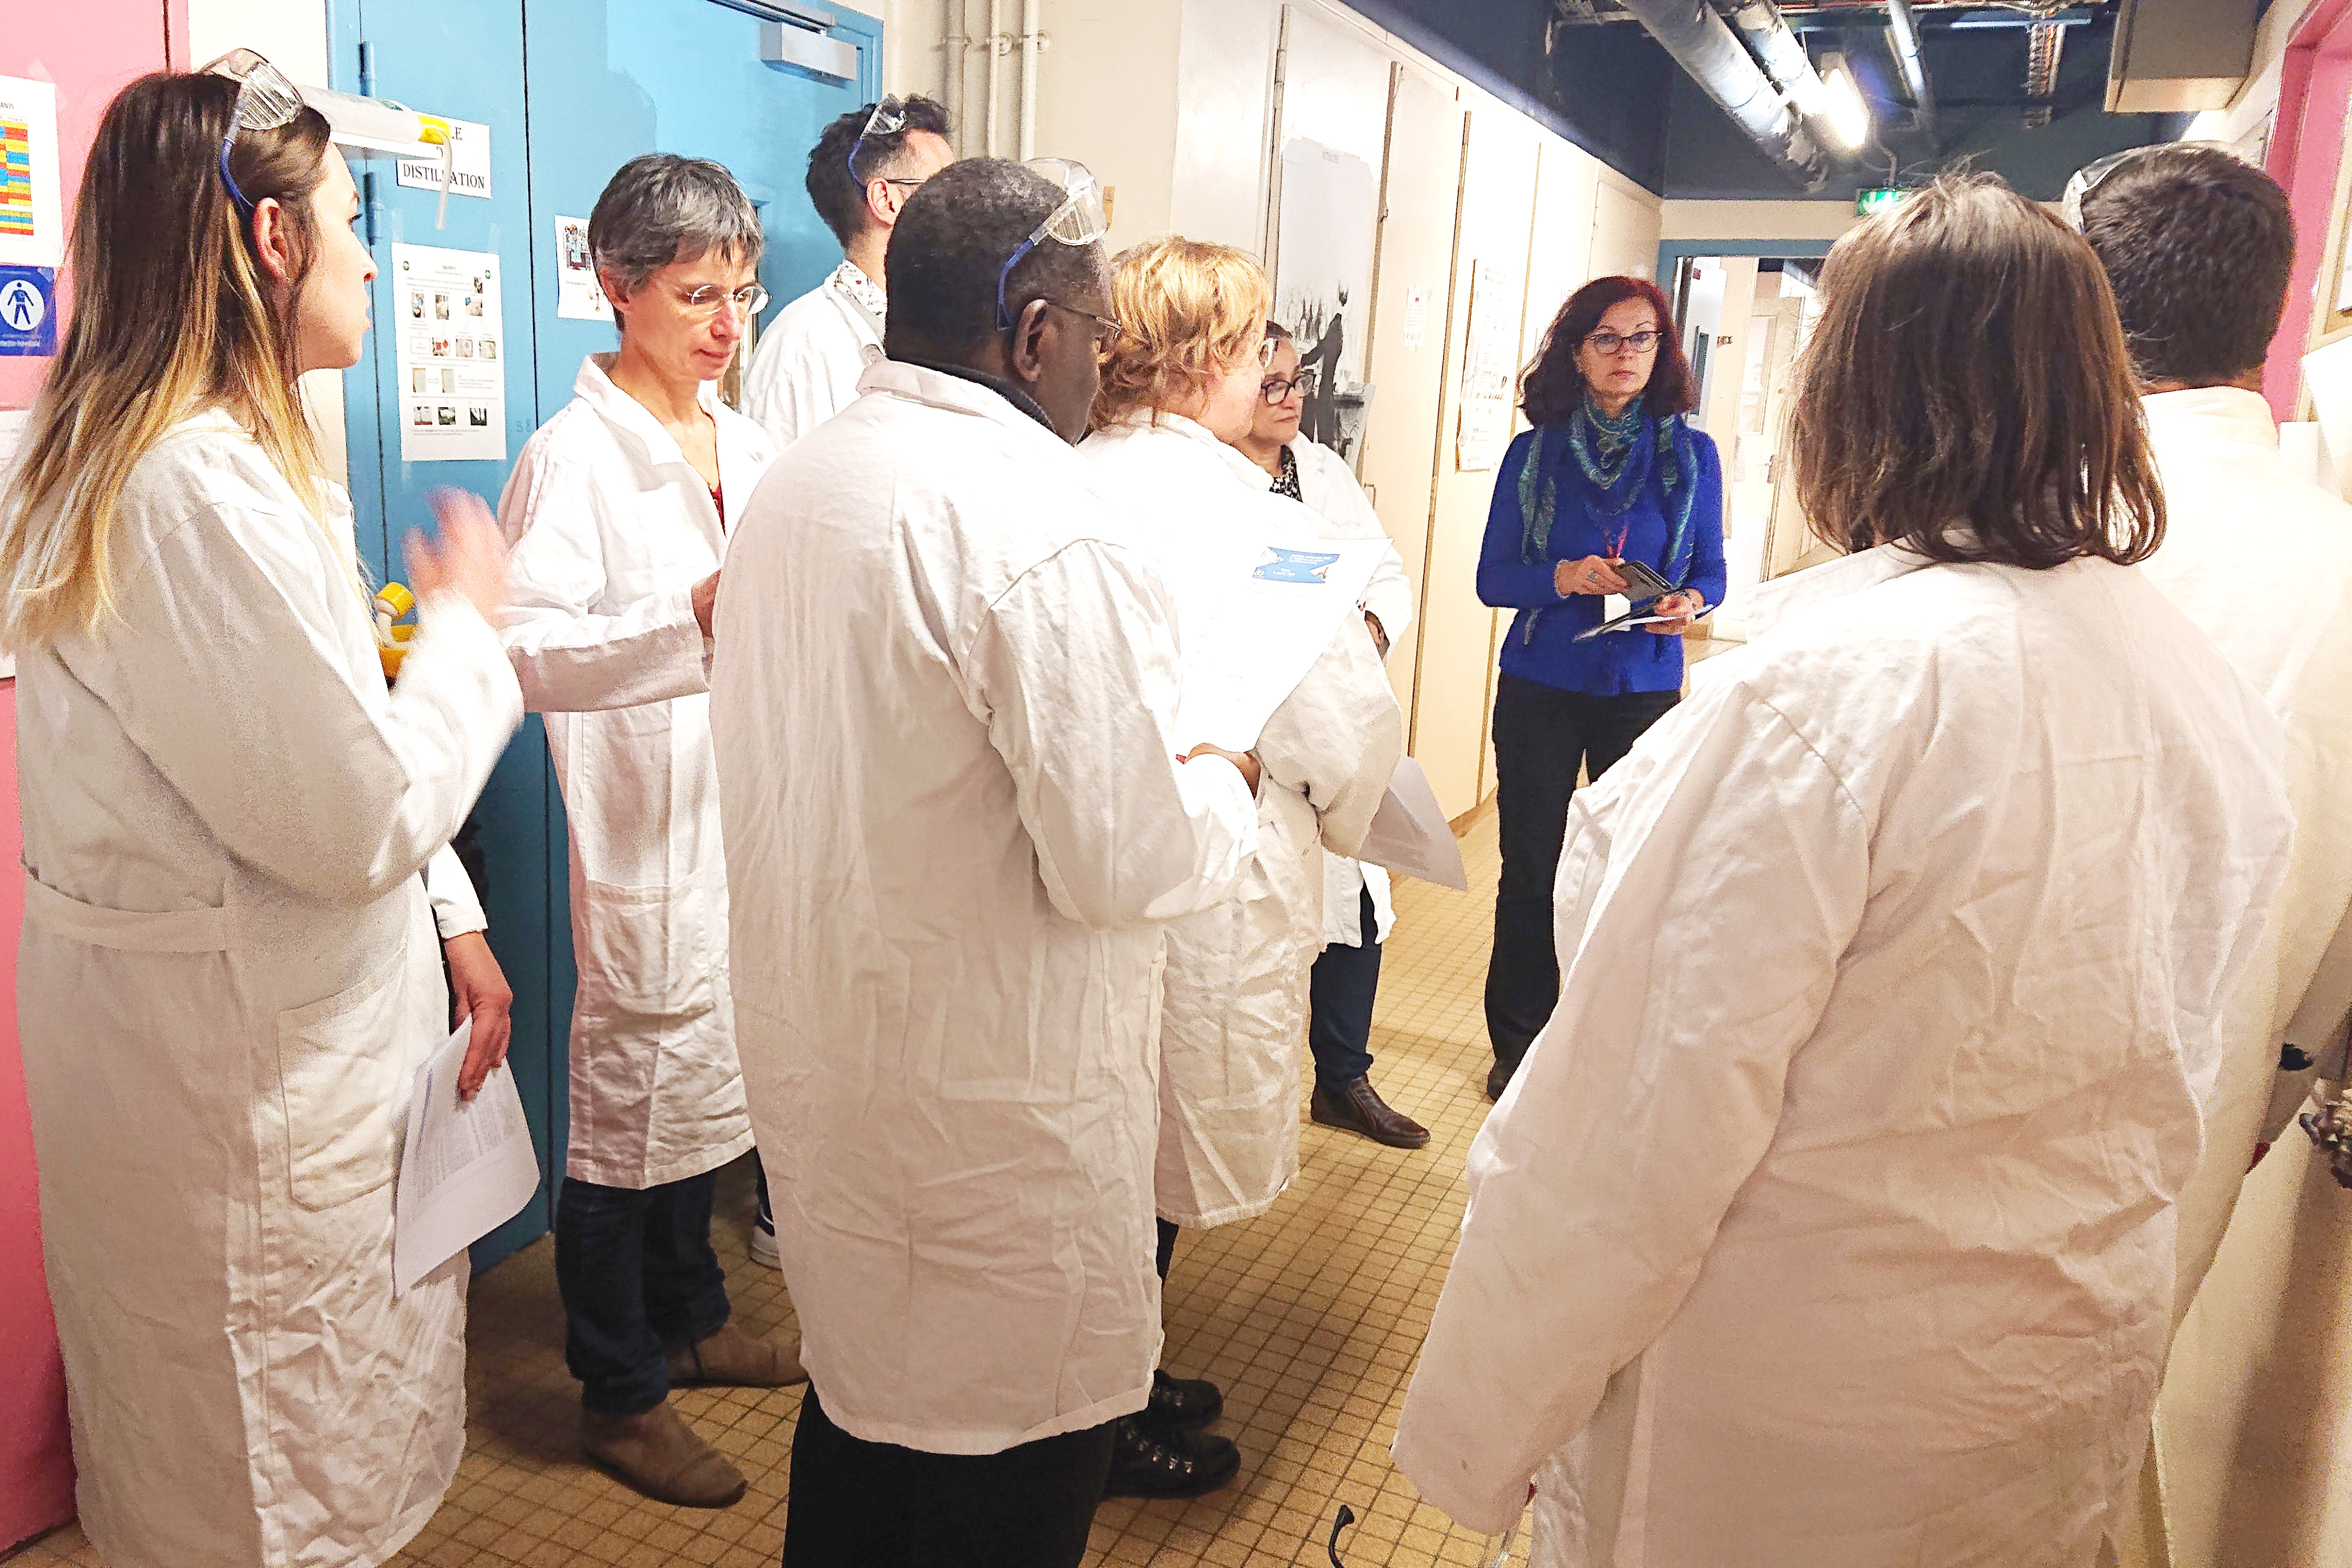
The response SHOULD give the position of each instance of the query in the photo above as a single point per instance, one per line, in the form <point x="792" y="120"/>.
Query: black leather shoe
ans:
<point x="1358" y="1108"/>
<point x="1498" y="1079"/>
<point x="1159" y="1464"/>
<point x="1183" y="1404"/>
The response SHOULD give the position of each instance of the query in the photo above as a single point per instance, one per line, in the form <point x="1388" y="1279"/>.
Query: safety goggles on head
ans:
<point x="2092" y="175"/>
<point x="1083" y="218"/>
<point x="266" y="101"/>
<point x="890" y="118"/>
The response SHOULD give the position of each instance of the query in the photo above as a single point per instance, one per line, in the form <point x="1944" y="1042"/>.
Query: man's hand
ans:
<point x="1244" y="761"/>
<point x="706" y="600"/>
<point x="483" y="995"/>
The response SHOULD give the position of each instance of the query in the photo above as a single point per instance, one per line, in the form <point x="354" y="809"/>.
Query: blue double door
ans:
<point x="570" y="89"/>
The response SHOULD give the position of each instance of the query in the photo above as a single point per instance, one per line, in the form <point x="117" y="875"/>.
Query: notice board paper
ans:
<point x="469" y="163"/>
<point x="579" y="297"/>
<point x="32" y="202"/>
<point x="450" y="354"/>
<point x="1254" y="621"/>
<point x="466" y="1166"/>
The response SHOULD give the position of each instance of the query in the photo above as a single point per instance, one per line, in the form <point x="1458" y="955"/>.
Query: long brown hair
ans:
<point x="1967" y="390"/>
<point x="172" y="315"/>
<point x="1554" y="386"/>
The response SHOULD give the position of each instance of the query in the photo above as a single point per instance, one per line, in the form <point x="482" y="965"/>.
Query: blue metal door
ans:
<point x="570" y="89"/>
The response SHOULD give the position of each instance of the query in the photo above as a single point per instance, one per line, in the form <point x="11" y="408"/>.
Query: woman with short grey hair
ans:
<point x="617" y="515"/>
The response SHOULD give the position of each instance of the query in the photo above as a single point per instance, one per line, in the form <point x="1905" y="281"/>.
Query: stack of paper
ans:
<point x="466" y="1166"/>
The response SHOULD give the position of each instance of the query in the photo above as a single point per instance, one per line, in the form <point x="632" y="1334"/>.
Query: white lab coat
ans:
<point x="1342" y="510"/>
<point x="612" y="528"/>
<point x="1232" y="1025"/>
<point x="1831" y="1215"/>
<point x="945" y="709"/>
<point x="805" y="368"/>
<point x="227" y="977"/>
<point x="2261" y="559"/>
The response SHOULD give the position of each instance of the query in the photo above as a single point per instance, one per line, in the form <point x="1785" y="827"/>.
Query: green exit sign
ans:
<point x="1886" y="198"/>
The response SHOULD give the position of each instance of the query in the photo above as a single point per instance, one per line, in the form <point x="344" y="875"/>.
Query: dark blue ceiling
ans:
<point x="1612" y="91"/>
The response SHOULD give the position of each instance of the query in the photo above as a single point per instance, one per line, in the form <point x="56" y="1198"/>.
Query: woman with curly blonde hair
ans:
<point x="1180" y="382"/>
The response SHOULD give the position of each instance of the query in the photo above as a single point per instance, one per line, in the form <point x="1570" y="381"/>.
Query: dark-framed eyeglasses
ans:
<point x="706" y="300"/>
<point x="1641" y="342"/>
<point x="890" y="118"/>
<point x="1278" y="390"/>
<point x="1106" y="331"/>
<point x="266" y="101"/>
<point x="1082" y="218"/>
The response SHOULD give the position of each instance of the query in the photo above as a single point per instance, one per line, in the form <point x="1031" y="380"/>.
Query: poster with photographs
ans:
<point x="579" y="297"/>
<point x="450" y="353"/>
<point x="1323" y="283"/>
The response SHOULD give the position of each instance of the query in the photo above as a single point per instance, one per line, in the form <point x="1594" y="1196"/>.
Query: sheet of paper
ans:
<point x="450" y="354"/>
<point x="579" y="297"/>
<point x="465" y="1168"/>
<point x="1409" y="834"/>
<point x="31" y="194"/>
<point x="469" y="163"/>
<point x="1254" y="622"/>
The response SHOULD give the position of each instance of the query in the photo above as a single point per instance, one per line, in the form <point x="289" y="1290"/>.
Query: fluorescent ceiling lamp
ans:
<point x="1848" y="115"/>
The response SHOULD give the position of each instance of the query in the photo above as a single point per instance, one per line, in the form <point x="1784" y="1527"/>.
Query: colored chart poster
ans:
<point x="32" y="211"/>
<point x="451" y="354"/>
<point x="579" y="297"/>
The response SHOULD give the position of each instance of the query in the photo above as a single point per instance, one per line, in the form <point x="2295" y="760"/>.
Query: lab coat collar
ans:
<point x="1234" y="457"/>
<point x="958" y="393"/>
<point x="2229" y="413"/>
<point x="996" y="384"/>
<point x="1776" y="601"/>
<point x="594" y="386"/>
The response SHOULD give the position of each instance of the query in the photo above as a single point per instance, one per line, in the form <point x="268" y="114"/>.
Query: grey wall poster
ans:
<point x="1323" y="283"/>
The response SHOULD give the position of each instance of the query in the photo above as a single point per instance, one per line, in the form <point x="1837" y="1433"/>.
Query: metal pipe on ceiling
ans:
<point x="1903" y="37"/>
<point x="1704" y="45"/>
<point x="2043" y="45"/>
<point x="1779" y="52"/>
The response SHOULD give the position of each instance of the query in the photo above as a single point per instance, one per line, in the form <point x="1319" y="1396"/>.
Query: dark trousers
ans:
<point x="1340" y="991"/>
<point x="856" y="1504"/>
<point x="637" y="1275"/>
<point x="1542" y="736"/>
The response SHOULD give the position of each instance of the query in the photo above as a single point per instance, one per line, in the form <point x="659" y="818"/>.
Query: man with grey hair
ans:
<point x="945" y="703"/>
<point x="861" y="172"/>
<point x="617" y="513"/>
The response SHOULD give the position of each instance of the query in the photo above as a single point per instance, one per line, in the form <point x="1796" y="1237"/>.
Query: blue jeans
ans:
<point x="1340" y="991"/>
<point x="637" y="1275"/>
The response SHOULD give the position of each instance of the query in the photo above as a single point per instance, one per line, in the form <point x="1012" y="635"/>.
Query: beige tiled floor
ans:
<point x="1309" y="1317"/>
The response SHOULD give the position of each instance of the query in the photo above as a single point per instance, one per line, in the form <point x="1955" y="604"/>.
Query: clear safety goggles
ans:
<point x="266" y="101"/>
<point x="890" y="118"/>
<point x="2094" y="174"/>
<point x="1083" y="218"/>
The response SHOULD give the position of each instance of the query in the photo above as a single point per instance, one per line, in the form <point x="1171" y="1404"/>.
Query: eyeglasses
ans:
<point x="1613" y="342"/>
<point x="1106" y="331"/>
<point x="751" y="298"/>
<point x="2092" y="175"/>
<point x="890" y="118"/>
<point x="266" y="101"/>
<point x="1277" y="391"/>
<point x="1083" y="218"/>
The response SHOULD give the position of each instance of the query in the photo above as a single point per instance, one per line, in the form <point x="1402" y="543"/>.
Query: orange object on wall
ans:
<point x="90" y="50"/>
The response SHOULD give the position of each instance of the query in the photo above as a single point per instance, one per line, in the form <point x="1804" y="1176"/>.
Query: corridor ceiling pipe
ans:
<point x="1704" y="45"/>
<point x="1903" y="37"/>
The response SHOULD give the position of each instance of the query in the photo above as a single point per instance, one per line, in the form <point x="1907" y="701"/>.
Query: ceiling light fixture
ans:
<point x="1846" y="112"/>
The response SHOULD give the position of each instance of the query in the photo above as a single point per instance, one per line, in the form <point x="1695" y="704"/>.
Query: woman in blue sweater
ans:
<point x="1610" y="474"/>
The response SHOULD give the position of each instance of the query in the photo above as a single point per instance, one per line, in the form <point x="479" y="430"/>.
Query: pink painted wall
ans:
<point x="90" y="48"/>
<point x="2315" y="84"/>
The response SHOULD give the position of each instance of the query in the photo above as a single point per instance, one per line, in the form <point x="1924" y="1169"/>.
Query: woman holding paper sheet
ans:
<point x="228" y="972"/>
<point x="1182" y="382"/>
<point x="1610" y="474"/>
<point x="1358" y="910"/>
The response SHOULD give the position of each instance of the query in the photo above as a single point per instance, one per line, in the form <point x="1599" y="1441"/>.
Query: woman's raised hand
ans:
<point x="469" y="559"/>
<point x="1594" y="575"/>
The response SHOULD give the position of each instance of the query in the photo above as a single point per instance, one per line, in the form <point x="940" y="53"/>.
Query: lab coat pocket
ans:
<point x="643" y="953"/>
<point x="340" y="1081"/>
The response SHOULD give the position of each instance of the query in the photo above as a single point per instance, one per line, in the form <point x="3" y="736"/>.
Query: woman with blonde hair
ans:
<point x="228" y="975"/>
<point x="1180" y="382"/>
<point x="1830" y="1220"/>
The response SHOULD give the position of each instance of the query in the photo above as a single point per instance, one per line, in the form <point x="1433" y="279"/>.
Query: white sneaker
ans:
<point x="763" y="1242"/>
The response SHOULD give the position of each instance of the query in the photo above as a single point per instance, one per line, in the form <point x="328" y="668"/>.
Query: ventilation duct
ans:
<point x="1704" y="45"/>
<point x="1903" y="38"/>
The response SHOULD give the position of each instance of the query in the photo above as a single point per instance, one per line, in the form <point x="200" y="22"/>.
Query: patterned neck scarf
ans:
<point x="1618" y="458"/>
<point x="1286" y="482"/>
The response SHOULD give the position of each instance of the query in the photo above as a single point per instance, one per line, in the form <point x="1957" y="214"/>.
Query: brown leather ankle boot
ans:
<point x="657" y="1453"/>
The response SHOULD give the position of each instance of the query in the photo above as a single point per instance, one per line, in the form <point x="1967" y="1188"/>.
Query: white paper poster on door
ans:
<point x="1490" y="368"/>
<point x="1323" y="278"/>
<point x="32" y="204"/>
<point x="469" y="163"/>
<point x="451" y="354"/>
<point x="578" y="296"/>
